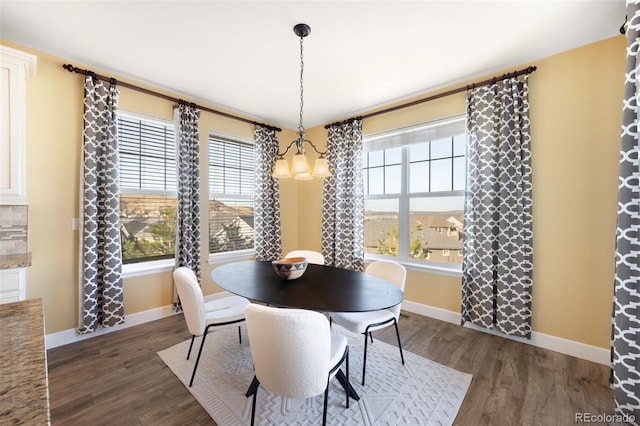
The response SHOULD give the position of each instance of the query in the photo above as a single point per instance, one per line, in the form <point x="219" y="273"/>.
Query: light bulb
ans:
<point x="300" y="164"/>
<point x="303" y="176"/>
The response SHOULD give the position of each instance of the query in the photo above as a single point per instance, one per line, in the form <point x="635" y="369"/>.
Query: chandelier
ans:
<point x="300" y="166"/>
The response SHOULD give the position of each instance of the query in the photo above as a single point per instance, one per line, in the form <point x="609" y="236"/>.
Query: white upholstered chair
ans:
<point x="201" y="316"/>
<point x="367" y="322"/>
<point x="312" y="256"/>
<point x="294" y="353"/>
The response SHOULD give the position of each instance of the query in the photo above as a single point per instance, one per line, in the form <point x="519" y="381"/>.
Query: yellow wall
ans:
<point x="576" y="117"/>
<point x="576" y="100"/>
<point x="54" y="136"/>
<point x="576" y="113"/>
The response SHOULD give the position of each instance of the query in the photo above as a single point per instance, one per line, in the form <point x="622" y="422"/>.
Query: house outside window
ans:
<point x="414" y="180"/>
<point x="231" y="183"/>
<point x="147" y="188"/>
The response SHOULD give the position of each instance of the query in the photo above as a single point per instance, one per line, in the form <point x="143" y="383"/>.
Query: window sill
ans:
<point x="235" y="256"/>
<point x="131" y="270"/>
<point x="451" y="271"/>
<point x="148" y="268"/>
<point x="431" y="268"/>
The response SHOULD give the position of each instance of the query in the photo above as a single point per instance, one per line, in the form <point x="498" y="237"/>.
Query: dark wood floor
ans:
<point x="117" y="378"/>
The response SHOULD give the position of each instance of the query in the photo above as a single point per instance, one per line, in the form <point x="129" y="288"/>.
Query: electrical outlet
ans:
<point x="75" y="224"/>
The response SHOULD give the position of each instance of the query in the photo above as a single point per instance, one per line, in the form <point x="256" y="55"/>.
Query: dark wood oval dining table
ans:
<point x="321" y="288"/>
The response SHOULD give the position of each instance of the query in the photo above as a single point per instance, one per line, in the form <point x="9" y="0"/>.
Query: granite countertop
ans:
<point x="10" y="261"/>
<point x="24" y="393"/>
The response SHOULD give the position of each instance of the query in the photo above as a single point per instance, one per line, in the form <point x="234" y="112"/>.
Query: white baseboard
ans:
<point x="65" y="337"/>
<point x="431" y="312"/>
<point x="546" y="341"/>
<point x="71" y="335"/>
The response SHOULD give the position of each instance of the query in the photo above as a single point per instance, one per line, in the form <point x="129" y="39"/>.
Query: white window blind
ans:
<point x="437" y="129"/>
<point x="230" y="167"/>
<point x="231" y="183"/>
<point x="147" y="156"/>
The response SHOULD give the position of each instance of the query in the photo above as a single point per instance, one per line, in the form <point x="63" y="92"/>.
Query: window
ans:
<point x="414" y="181"/>
<point x="231" y="181"/>
<point x="147" y="188"/>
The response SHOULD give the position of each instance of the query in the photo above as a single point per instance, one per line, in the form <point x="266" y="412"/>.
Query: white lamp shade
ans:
<point x="303" y="176"/>
<point x="321" y="168"/>
<point x="300" y="164"/>
<point x="281" y="169"/>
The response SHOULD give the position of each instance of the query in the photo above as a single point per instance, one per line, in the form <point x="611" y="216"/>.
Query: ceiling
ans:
<point x="244" y="56"/>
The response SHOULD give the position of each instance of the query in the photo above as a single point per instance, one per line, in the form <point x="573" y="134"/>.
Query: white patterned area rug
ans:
<point x="421" y="392"/>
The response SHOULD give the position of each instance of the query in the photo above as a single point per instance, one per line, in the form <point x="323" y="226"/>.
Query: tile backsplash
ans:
<point x="13" y="229"/>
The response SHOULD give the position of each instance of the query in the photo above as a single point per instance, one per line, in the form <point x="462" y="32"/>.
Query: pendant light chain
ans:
<point x="301" y="169"/>
<point x="300" y="126"/>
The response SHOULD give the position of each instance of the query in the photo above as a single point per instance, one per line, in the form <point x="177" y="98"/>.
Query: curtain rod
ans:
<point x="493" y="80"/>
<point x="71" y="68"/>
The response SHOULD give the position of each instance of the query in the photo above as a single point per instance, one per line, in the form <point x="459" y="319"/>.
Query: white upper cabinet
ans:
<point x="15" y="68"/>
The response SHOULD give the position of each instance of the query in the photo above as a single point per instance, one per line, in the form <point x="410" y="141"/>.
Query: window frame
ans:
<point x="404" y="196"/>
<point x="151" y="266"/>
<point x="236" y="255"/>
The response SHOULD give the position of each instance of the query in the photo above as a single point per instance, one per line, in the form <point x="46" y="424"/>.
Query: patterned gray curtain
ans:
<point x="343" y="198"/>
<point x="187" y="138"/>
<point x="100" y="294"/>
<point x="497" y="266"/>
<point x="268" y="238"/>
<point x="625" y="349"/>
